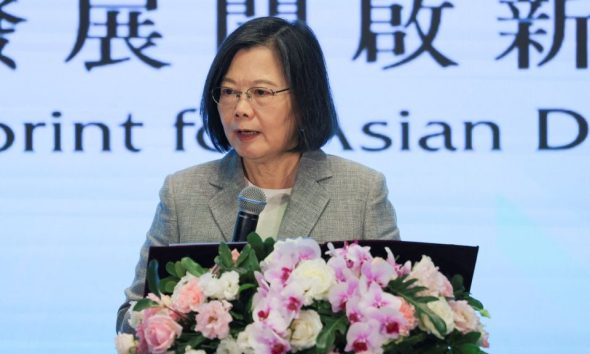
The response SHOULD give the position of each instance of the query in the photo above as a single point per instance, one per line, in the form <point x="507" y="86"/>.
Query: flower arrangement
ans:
<point x="296" y="301"/>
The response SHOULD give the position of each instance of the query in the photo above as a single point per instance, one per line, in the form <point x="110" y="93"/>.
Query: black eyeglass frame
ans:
<point x="249" y="96"/>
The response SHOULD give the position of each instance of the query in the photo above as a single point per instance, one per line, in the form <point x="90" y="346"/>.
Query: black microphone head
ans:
<point x="251" y="200"/>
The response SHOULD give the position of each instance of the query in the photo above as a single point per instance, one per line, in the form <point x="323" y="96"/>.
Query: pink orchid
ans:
<point x="354" y="311"/>
<point x="304" y="248"/>
<point x="374" y="297"/>
<point x="354" y="255"/>
<point x="266" y="341"/>
<point x="292" y="298"/>
<point x="341" y="293"/>
<point x="364" y="337"/>
<point x="400" y="270"/>
<point x="391" y="321"/>
<point x="341" y="270"/>
<point x="378" y="271"/>
<point x="277" y="267"/>
<point x="263" y="288"/>
<point x="280" y="269"/>
<point x="271" y="311"/>
<point x="274" y="298"/>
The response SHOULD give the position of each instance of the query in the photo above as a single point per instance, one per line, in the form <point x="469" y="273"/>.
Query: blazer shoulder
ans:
<point x="345" y="167"/>
<point x="197" y="173"/>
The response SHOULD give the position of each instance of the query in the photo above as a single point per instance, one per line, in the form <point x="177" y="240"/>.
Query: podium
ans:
<point x="451" y="259"/>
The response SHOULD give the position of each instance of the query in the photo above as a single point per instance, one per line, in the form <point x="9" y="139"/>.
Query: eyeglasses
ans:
<point x="261" y="96"/>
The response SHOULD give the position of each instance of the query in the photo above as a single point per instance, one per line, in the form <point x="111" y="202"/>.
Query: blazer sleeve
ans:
<point x="380" y="218"/>
<point x="164" y="230"/>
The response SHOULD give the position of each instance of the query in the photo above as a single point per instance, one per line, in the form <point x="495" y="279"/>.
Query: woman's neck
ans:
<point x="276" y="174"/>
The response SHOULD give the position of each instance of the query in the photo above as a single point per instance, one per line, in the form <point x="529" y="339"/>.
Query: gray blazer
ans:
<point x="332" y="199"/>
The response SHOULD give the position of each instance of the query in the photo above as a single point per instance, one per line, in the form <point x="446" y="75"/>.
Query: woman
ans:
<point x="267" y="101"/>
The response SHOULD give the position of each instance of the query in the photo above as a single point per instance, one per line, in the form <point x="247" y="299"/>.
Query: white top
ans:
<point x="269" y="220"/>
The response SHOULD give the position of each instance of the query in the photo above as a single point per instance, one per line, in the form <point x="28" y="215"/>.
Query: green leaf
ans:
<point x="403" y="286"/>
<point x="251" y="265"/>
<point x="476" y="304"/>
<point x="416" y="338"/>
<point x="269" y="246"/>
<point x="327" y="336"/>
<point x="426" y="299"/>
<point x="439" y="324"/>
<point x="257" y="245"/>
<point x="167" y="284"/>
<point x="236" y="316"/>
<point x="192" y="267"/>
<point x="414" y="290"/>
<point x="485" y="313"/>
<point x="196" y="341"/>
<point x="471" y="337"/>
<point x="244" y="255"/>
<point x="144" y="304"/>
<point x="466" y="348"/>
<point x="179" y="269"/>
<point x="322" y="308"/>
<point x="241" y="271"/>
<point x="153" y="278"/>
<point x="246" y="286"/>
<point x="171" y="269"/>
<point x="224" y="260"/>
<point x="458" y="287"/>
<point x="439" y="348"/>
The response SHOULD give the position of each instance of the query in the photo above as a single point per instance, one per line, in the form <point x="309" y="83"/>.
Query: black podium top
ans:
<point x="451" y="259"/>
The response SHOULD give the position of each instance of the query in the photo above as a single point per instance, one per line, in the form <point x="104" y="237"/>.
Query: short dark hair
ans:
<point x="304" y="68"/>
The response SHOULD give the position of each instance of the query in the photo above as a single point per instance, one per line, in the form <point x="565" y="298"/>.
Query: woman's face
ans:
<point x="258" y="132"/>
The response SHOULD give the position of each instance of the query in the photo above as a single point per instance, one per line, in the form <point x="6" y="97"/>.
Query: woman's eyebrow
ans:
<point x="255" y="82"/>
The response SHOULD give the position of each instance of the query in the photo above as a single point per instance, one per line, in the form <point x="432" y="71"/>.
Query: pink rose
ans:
<point x="484" y="341"/>
<point x="235" y="254"/>
<point x="428" y="275"/>
<point x="409" y="313"/>
<point x="213" y="319"/>
<point x="187" y="295"/>
<point x="466" y="319"/>
<point x="157" y="332"/>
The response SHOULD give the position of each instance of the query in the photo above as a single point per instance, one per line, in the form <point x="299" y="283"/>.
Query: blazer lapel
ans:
<point x="224" y="205"/>
<point x="308" y="197"/>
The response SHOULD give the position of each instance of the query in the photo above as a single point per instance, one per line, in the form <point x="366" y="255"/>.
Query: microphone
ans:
<point x="251" y="202"/>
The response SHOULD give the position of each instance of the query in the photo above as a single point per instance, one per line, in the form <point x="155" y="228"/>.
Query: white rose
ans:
<point x="466" y="319"/>
<point x="125" y="343"/>
<point x="210" y="285"/>
<point x="444" y="311"/>
<point x="243" y="341"/>
<point x="190" y="350"/>
<point x="315" y="277"/>
<point x="135" y="317"/>
<point x="305" y="330"/>
<point x="228" y="346"/>
<point x="230" y="284"/>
